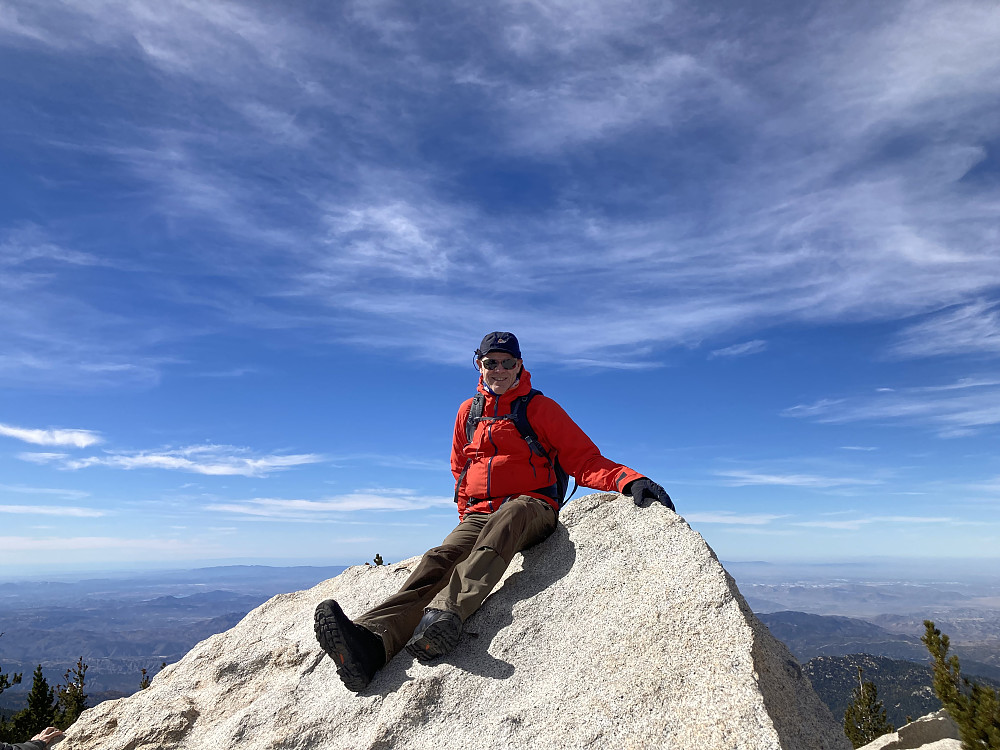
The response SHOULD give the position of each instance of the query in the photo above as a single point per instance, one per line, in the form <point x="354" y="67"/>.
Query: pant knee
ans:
<point x="448" y="552"/>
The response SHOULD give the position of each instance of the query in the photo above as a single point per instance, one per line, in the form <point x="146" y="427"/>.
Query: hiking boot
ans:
<point x="357" y="651"/>
<point x="437" y="633"/>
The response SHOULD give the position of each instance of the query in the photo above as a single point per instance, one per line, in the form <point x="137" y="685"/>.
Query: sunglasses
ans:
<point x="491" y="364"/>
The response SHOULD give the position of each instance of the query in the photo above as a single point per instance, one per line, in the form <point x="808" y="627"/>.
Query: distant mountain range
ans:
<point x="831" y="648"/>
<point x="122" y="625"/>
<point x="810" y="635"/>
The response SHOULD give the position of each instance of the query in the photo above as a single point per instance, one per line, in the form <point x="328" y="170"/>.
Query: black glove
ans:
<point x="644" y="489"/>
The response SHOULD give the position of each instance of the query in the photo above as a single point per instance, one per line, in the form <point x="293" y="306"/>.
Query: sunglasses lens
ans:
<point x="508" y="364"/>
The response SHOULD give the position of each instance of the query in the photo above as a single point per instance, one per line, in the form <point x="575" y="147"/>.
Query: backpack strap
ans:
<point x="519" y="416"/>
<point x="475" y="414"/>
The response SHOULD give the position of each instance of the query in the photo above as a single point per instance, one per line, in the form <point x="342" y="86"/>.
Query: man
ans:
<point x="507" y="501"/>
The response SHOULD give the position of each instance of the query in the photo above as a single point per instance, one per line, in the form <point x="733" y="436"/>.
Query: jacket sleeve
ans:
<point x="577" y="453"/>
<point x="458" y="451"/>
<point x="29" y="745"/>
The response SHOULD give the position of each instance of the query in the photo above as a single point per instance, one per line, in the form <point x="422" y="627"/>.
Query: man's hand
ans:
<point x="644" y="489"/>
<point x="49" y="735"/>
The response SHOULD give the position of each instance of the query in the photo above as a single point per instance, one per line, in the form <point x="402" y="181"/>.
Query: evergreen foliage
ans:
<point x="974" y="707"/>
<point x="147" y="680"/>
<point x="865" y="719"/>
<point x="47" y="707"/>
<point x="70" y="696"/>
<point x="39" y="713"/>
<point x="8" y="680"/>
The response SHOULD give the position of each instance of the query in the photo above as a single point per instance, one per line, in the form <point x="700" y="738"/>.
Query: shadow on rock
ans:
<point x="543" y="565"/>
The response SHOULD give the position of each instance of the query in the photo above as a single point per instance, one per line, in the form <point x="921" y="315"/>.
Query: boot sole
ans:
<point x="438" y="639"/>
<point x="332" y="640"/>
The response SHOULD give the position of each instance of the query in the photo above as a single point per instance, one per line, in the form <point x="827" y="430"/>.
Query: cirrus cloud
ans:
<point x="366" y="500"/>
<point x="212" y="460"/>
<point x="73" y="438"/>
<point x="52" y="510"/>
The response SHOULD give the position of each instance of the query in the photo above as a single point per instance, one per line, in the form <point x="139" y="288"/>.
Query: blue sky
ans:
<point x="247" y="250"/>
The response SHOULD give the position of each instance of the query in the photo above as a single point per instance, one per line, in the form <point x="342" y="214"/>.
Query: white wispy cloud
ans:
<point x="50" y="333"/>
<point x="389" y="460"/>
<point x="954" y="409"/>
<point x="974" y="327"/>
<point x="991" y="485"/>
<point x="738" y="519"/>
<point x="234" y="372"/>
<point x="748" y="478"/>
<point x="75" y="438"/>
<point x="855" y="524"/>
<point x="99" y="543"/>
<point x="43" y="458"/>
<point x="52" y="510"/>
<point x="213" y="460"/>
<point x="21" y="489"/>
<point x="836" y="188"/>
<point x="740" y="350"/>
<point x="373" y="500"/>
<point x="399" y="237"/>
<point x="27" y="245"/>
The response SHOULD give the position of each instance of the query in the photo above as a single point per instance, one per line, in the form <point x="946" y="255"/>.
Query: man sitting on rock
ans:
<point x="508" y="499"/>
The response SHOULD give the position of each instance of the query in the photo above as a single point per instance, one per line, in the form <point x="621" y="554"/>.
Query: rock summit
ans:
<point x="622" y="631"/>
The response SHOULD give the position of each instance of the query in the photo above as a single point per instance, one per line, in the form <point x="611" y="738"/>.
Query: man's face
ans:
<point x="499" y="379"/>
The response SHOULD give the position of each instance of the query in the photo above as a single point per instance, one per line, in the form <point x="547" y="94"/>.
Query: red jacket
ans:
<point x="502" y="464"/>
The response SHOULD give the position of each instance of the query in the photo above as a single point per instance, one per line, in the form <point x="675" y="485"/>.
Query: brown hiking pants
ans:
<point x="459" y="575"/>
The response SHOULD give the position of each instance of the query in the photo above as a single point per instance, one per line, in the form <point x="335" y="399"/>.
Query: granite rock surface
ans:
<point x="935" y="731"/>
<point x="622" y="630"/>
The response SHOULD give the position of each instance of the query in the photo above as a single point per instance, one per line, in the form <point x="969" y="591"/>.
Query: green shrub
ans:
<point x="70" y="697"/>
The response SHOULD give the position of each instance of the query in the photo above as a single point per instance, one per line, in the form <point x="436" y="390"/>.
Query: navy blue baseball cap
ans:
<point x="499" y="341"/>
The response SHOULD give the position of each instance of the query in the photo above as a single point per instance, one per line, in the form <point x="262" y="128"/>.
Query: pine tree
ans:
<point x="70" y="696"/>
<point x="8" y="680"/>
<point x="40" y="711"/>
<point x="975" y="708"/>
<point x="147" y="679"/>
<point x="865" y="718"/>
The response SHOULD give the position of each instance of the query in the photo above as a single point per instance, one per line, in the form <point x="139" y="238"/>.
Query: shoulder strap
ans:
<point x="519" y="416"/>
<point x="475" y="414"/>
